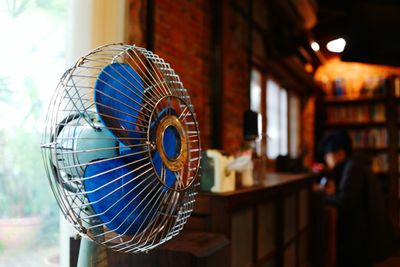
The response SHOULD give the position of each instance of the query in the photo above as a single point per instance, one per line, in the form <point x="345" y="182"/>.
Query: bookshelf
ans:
<point x="372" y="118"/>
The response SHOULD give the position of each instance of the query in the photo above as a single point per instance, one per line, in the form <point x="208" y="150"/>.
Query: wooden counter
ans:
<point x="268" y="225"/>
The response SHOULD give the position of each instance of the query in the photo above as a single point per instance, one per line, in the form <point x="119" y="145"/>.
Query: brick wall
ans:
<point x="235" y="72"/>
<point x="136" y="24"/>
<point x="182" y="36"/>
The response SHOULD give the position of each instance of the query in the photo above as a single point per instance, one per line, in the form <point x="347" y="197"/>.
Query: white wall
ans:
<point x="92" y="23"/>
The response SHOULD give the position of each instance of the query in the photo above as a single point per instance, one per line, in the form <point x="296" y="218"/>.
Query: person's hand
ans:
<point x="317" y="167"/>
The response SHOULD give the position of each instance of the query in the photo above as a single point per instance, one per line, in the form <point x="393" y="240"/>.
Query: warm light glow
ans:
<point x="355" y="73"/>
<point x="336" y="46"/>
<point x="315" y="46"/>
<point x="308" y="67"/>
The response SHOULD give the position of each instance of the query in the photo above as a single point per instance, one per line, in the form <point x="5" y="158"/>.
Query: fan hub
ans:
<point x="173" y="162"/>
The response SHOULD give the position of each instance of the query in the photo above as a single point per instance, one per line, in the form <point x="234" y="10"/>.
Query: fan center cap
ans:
<point x="174" y="161"/>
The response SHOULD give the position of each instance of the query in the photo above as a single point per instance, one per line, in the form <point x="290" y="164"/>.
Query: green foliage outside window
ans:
<point x="32" y="53"/>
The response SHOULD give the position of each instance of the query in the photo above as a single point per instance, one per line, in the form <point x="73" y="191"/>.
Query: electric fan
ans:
<point x="121" y="148"/>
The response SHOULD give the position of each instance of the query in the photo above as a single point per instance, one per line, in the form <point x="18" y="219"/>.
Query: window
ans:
<point x="255" y="91"/>
<point x="283" y="119"/>
<point x="256" y="104"/>
<point x="280" y="110"/>
<point x="32" y="52"/>
<point x="277" y="120"/>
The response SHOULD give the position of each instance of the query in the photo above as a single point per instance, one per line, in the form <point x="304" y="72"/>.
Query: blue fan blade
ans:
<point x="132" y="153"/>
<point x="170" y="176"/>
<point x="171" y="148"/>
<point x="132" y="216"/>
<point x="118" y="99"/>
<point x="162" y="114"/>
<point x="171" y="142"/>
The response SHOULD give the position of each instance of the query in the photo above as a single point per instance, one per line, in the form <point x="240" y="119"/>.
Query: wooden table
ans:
<point x="188" y="249"/>
<point x="268" y="224"/>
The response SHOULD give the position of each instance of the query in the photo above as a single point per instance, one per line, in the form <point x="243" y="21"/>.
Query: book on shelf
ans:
<point x="397" y="86"/>
<point x="370" y="138"/>
<point x="371" y="87"/>
<point x="380" y="163"/>
<point x="356" y="114"/>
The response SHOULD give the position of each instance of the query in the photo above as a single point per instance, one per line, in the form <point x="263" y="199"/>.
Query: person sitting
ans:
<point x="364" y="232"/>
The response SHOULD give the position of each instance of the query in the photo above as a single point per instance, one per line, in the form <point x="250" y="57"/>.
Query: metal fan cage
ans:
<point x="75" y="127"/>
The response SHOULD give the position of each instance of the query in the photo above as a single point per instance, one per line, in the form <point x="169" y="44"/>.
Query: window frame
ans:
<point x="291" y="142"/>
<point x="269" y="81"/>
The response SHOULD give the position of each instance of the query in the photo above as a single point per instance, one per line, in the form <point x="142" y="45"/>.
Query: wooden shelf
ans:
<point x="370" y="149"/>
<point x="371" y="124"/>
<point x="345" y="99"/>
<point x="381" y="173"/>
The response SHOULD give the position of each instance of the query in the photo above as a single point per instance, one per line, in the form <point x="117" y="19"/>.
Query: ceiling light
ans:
<point x="336" y="46"/>
<point x="315" y="46"/>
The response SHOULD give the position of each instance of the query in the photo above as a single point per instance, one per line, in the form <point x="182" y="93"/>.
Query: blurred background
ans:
<point x="300" y="68"/>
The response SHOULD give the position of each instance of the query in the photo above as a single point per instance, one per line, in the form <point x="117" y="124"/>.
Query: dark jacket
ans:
<point x="365" y="234"/>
